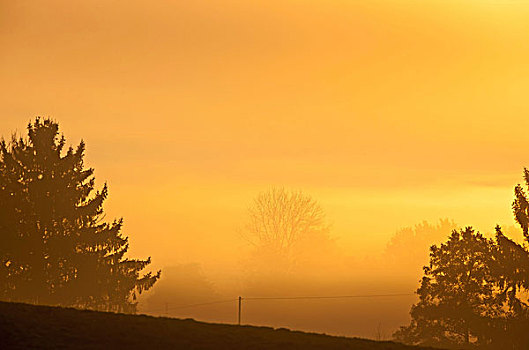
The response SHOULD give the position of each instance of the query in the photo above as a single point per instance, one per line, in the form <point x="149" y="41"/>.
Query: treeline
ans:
<point x="474" y="292"/>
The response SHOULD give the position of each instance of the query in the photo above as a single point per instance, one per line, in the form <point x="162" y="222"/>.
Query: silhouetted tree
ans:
<point x="281" y="222"/>
<point x="512" y="282"/>
<point x="476" y="290"/>
<point x="456" y="297"/>
<point x="55" y="247"/>
<point x="513" y="276"/>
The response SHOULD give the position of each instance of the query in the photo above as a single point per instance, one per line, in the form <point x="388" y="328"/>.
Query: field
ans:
<point x="24" y="326"/>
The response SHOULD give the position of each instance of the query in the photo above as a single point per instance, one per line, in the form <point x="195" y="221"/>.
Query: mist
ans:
<point x="374" y="291"/>
<point x="402" y="120"/>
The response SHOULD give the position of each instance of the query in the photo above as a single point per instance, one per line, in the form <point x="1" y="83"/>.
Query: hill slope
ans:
<point x="24" y="326"/>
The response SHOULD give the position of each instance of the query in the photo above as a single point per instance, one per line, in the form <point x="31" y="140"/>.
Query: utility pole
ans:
<point x="240" y="306"/>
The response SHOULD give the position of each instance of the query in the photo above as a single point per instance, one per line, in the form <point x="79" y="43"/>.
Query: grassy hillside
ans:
<point x="24" y="326"/>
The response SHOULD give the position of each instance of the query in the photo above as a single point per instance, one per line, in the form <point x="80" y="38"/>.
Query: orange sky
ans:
<point x="388" y="112"/>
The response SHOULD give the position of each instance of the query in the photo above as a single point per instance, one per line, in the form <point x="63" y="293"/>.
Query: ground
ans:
<point x="24" y="326"/>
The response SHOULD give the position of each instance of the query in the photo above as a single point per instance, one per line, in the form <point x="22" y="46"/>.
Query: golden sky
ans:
<point x="388" y="111"/>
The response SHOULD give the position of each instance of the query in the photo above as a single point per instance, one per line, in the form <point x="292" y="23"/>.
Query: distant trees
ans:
<point x="281" y="221"/>
<point x="183" y="284"/>
<point x="475" y="290"/>
<point x="55" y="247"/>
<point x="409" y="247"/>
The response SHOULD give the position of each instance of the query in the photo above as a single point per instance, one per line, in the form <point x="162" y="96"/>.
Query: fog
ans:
<point x="395" y="116"/>
<point x="374" y="292"/>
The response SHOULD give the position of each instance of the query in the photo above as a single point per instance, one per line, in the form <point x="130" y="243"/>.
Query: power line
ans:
<point x="191" y="305"/>
<point x="317" y="297"/>
<point x="202" y="304"/>
<point x="166" y="308"/>
<point x="331" y="297"/>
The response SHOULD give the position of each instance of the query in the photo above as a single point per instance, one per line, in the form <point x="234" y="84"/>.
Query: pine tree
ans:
<point x="513" y="275"/>
<point x="512" y="281"/>
<point x="55" y="247"/>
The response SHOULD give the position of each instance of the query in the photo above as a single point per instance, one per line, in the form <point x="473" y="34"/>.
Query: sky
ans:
<point x="388" y="112"/>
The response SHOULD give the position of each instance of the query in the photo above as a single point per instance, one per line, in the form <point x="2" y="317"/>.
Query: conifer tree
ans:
<point x="55" y="247"/>
<point x="513" y="274"/>
<point x="512" y="281"/>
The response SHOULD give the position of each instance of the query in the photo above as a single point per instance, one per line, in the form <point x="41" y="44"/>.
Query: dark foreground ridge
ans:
<point x="24" y="326"/>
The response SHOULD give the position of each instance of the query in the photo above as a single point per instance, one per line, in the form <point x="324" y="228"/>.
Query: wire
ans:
<point x="190" y="305"/>
<point x="281" y="298"/>
<point x="330" y="297"/>
<point x="202" y="304"/>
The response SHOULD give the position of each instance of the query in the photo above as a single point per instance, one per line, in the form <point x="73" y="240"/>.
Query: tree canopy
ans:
<point x="456" y="293"/>
<point x="55" y="247"/>
<point x="475" y="290"/>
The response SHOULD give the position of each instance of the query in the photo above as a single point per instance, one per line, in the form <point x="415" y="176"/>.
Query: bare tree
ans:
<point x="280" y="218"/>
<point x="380" y="335"/>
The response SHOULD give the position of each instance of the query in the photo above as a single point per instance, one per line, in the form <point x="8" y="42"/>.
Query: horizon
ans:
<point x="388" y="113"/>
